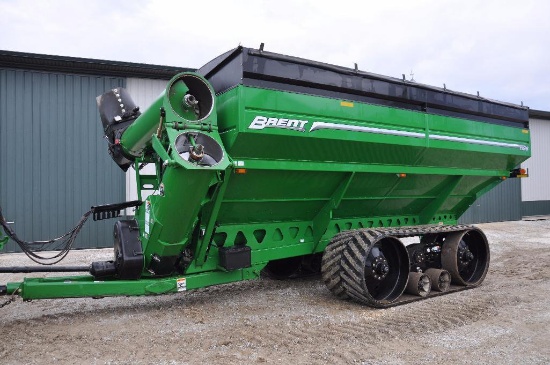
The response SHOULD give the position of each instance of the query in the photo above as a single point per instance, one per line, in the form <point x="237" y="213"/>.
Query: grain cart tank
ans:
<point x="284" y="166"/>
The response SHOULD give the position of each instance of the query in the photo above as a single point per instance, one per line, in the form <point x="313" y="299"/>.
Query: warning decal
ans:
<point x="181" y="284"/>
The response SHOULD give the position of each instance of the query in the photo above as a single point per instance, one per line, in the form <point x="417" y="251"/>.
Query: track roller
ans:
<point x="419" y="284"/>
<point x="441" y="279"/>
<point x="366" y="266"/>
<point x="465" y="255"/>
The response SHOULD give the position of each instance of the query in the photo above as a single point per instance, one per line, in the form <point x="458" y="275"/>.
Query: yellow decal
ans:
<point x="525" y="131"/>
<point x="349" y="104"/>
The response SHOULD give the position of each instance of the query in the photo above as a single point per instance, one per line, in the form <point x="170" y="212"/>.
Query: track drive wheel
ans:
<point x="372" y="269"/>
<point x="465" y="255"/>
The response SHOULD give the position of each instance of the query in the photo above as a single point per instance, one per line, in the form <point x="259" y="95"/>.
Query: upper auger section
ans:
<point x="191" y="99"/>
<point x="188" y="102"/>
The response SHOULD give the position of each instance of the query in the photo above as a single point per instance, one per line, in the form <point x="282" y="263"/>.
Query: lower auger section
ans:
<point x="373" y="266"/>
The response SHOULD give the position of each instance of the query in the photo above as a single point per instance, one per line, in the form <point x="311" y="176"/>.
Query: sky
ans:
<point x="499" y="48"/>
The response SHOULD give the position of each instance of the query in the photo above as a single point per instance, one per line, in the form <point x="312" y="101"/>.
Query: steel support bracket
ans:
<point x="322" y="219"/>
<point x="209" y="217"/>
<point x="429" y="211"/>
<point x="159" y="148"/>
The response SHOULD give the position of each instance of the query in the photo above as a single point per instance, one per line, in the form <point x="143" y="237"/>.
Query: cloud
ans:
<point x="499" y="48"/>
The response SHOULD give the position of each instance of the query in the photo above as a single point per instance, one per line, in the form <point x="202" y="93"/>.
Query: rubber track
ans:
<point x="331" y="264"/>
<point x="344" y="260"/>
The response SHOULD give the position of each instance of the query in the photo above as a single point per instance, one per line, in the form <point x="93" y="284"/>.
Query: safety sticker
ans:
<point x="181" y="284"/>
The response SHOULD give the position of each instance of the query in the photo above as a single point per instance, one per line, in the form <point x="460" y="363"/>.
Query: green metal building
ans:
<point x="53" y="164"/>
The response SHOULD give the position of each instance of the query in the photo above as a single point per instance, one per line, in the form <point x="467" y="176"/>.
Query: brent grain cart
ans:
<point x="281" y="165"/>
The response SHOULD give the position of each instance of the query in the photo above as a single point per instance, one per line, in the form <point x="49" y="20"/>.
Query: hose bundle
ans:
<point x="63" y="243"/>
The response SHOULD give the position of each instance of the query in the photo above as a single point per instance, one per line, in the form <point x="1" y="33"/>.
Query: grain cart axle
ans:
<point x="265" y="163"/>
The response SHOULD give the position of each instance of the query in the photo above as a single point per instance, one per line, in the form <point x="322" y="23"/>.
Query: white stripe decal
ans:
<point x="478" y="141"/>
<point x="355" y="128"/>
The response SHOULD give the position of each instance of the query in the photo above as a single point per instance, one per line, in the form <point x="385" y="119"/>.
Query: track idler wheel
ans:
<point x="369" y="268"/>
<point x="419" y="284"/>
<point x="441" y="279"/>
<point x="465" y="255"/>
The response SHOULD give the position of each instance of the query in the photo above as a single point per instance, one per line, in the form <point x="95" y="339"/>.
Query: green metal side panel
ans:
<point x="292" y="174"/>
<point x="52" y="157"/>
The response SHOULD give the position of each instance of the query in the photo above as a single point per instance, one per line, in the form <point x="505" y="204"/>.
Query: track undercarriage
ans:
<point x="374" y="267"/>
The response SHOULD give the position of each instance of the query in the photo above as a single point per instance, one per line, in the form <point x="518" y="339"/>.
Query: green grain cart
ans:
<point x="269" y="164"/>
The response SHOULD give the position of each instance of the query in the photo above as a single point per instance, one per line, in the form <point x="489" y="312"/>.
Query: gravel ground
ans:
<point x="504" y="321"/>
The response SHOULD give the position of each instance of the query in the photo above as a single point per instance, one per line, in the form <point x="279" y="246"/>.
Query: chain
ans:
<point x="7" y="302"/>
<point x="12" y="298"/>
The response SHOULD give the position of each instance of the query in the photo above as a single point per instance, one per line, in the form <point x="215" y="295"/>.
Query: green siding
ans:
<point x="533" y="208"/>
<point x="54" y="163"/>
<point x="502" y="203"/>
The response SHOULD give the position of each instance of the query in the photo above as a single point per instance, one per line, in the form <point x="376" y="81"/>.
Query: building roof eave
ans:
<point x="539" y="114"/>
<point x="51" y="63"/>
